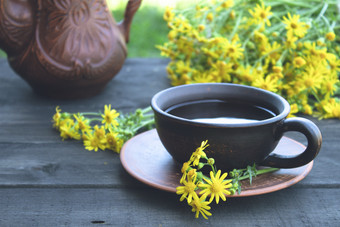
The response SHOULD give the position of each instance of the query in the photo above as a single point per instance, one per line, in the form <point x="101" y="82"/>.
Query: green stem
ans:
<point x="322" y="12"/>
<point x="95" y="119"/>
<point x="283" y="56"/>
<point x="236" y="26"/>
<point x="146" y="110"/>
<point x="143" y="124"/>
<point x="259" y="172"/>
<point x="316" y="96"/>
<point x="148" y="116"/>
<point x="91" y="113"/>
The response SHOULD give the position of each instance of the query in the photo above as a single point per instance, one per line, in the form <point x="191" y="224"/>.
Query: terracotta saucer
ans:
<point x="145" y="158"/>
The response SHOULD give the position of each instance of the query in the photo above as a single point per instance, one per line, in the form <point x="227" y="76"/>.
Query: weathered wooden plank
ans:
<point x="148" y="207"/>
<point x="68" y="164"/>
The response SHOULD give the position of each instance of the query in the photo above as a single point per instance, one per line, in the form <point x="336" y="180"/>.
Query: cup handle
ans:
<point x="314" y="139"/>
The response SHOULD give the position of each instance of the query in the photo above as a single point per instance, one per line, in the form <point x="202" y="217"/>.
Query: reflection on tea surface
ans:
<point x="224" y="120"/>
<point x="220" y="112"/>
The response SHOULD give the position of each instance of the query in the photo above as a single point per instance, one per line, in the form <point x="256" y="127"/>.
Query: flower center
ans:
<point x="108" y="118"/>
<point x="196" y="205"/>
<point x="111" y="141"/>
<point x="309" y="82"/>
<point x="299" y="62"/>
<point x="329" y="86"/>
<point x="94" y="142"/>
<point x="293" y="25"/>
<point x="247" y="77"/>
<point x="265" y="86"/>
<point x="82" y="126"/>
<point x="215" y="188"/>
<point x="231" y="50"/>
<point x="190" y="187"/>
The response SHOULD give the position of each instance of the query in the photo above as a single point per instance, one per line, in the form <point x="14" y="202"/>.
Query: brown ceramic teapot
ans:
<point x="64" y="48"/>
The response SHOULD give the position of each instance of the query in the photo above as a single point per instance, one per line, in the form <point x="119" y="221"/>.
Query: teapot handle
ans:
<point x="124" y="25"/>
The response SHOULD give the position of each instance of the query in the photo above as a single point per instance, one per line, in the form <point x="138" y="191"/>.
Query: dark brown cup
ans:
<point x="232" y="145"/>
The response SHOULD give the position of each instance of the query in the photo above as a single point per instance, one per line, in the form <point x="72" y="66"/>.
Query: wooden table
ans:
<point x="45" y="181"/>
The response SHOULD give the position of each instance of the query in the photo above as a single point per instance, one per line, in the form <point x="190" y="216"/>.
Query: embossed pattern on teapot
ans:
<point x="64" y="48"/>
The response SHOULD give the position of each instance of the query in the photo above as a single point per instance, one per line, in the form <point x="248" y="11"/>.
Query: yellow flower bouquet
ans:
<point x="287" y="47"/>
<point x="102" y="131"/>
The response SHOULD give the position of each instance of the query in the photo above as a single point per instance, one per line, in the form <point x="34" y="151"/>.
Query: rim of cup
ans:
<point x="284" y="105"/>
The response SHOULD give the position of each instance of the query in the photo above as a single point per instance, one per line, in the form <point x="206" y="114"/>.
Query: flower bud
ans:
<point x="172" y="35"/>
<point x="232" y="14"/>
<point x="232" y="191"/>
<point x="192" y="173"/>
<point x="211" y="161"/>
<point x="200" y="165"/>
<point x="277" y="69"/>
<point x="250" y="45"/>
<point x="210" y="17"/>
<point x="320" y="42"/>
<point x="330" y="36"/>
<point x="275" y="34"/>
<point x="185" y="167"/>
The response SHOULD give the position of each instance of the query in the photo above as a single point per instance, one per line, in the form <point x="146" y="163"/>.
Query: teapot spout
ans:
<point x="124" y="25"/>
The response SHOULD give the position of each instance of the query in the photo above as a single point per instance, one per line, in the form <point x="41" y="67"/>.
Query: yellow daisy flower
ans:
<point x="273" y="52"/>
<point x="184" y="170"/>
<point x="233" y="49"/>
<point x="188" y="190"/>
<point x="307" y="109"/>
<point x="291" y="42"/>
<point x="201" y="27"/>
<point x="294" y="27"/>
<point x="68" y="130"/>
<point x="222" y="71"/>
<point x="216" y="187"/>
<point x="56" y="118"/>
<point x="227" y="4"/>
<point x="333" y="62"/>
<point x="246" y="74"/>
<point x="196" y="156"/>
<point x="294" y="108"/>
<point x="329" y="86"/>
<point x="92" y="142"/>
<point x="200" y="206"/>
<point x="99" y="132"/>
<point x="312" y="78"/>
<point x="330" y="36"/>
<point x="269" y="83"/>
<point x="210" y="17"/>
<point x="310" y="49"/>
<point x="182" y="67"/>
<point x="204" y="77"/>
<point x="261" y="14"/>
<point x="83" y="123"/>
<point x="298" y="62"/>
<point x="109" y="116"/>
<point x="168" y="14"/>
<point x="332" y="109"/>
<point x="113" y="142"/>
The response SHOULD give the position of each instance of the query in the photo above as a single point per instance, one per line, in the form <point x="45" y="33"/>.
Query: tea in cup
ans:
<point x="242" y="124"/>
